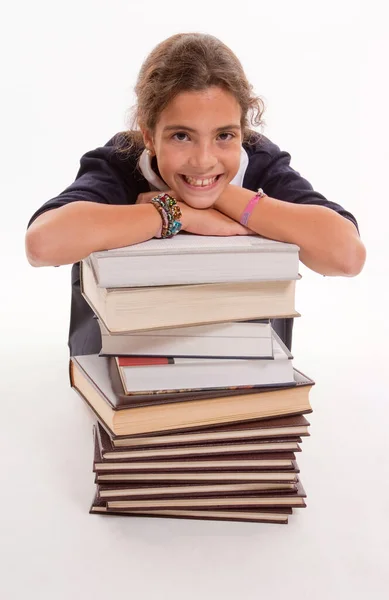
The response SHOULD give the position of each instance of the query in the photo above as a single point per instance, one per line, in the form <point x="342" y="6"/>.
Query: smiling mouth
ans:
<point x="201" y="182"/>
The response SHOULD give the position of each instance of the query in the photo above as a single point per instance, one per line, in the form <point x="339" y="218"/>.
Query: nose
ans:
<point x="202" y="158"/>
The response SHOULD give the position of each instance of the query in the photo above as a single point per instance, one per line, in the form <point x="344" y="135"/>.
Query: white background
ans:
<point x="67" y="75"/>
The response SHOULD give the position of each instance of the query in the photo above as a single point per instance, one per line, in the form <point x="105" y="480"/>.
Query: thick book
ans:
<point x="92" y="382"/>
<point x="93" y="363"/>
<point x="126" y="400"/>
<point x="193" y="450"/>
<point x="291" y="499"/>
<point x="191" y="259"/>
<point x="131" y="309"/>
<point x="147" y="374"/>
<point x="221" y="340"/>
<point x="251" y="430"/>
<point x="262" y="515"/>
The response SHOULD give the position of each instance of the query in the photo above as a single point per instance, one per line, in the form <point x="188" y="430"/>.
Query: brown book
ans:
<point x="211" y="449"/>
<point x="262" y="515"/>
<point x="169" y="475"/>
<point x="246" y="462"/>
<point x="90" y="378"/>
<point x="190" y="490"/>
<point x="199" y="477"/>
<point x="124" y="310"/>
<point x="293" y="427"/>
<point x="293" y="499"/>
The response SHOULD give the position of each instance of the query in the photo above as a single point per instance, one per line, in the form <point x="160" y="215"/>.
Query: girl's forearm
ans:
<point x="329" y="243"/>
<point x="67" y="234"/>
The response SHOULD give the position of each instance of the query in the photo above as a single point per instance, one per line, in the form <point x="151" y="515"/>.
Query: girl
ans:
<point x="191" y="138"/>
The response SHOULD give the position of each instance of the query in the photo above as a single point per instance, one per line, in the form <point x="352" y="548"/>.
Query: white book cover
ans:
<point x="190" y="259"/>
<point x="224" y="340"/>
<point x="192" y="373"/>
<point x="200" y="244"/>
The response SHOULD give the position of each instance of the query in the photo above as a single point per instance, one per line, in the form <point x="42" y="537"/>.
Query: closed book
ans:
<point x="191" y="490"/>
<point x="131" y="309"/>
<point x="223" y="462"/>
<point x="137" y="399"/>
<point x="262" y="515"/>
<point x="221" y="340"/>
<point x="190" y="259"/>
<point x="90" y="378"/>
<point x="148" y="374"/>
<point x="291" y="499"/>
<point x="198" y="477"/>
<point x="251" y="430"/>
<point x="193" y="450"/>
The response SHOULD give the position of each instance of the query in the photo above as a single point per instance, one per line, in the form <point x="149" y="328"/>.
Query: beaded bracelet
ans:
<point x="163" y="214"/>
<point x="250" y="206"/>
<point x="170" y="213"/>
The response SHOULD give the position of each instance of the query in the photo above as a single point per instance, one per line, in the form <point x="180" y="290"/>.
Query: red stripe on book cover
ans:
<point x="143" y="361"/>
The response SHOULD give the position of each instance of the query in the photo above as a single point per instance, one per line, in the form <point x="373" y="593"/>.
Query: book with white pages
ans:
<point x="126" y="310"/>
<point x="195" y="259"/>
<point x="150" y="374"/>
<point x="221" y="340"/>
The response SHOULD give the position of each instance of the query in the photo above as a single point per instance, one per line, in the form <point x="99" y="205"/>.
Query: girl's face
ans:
<point x="197" y="142"/>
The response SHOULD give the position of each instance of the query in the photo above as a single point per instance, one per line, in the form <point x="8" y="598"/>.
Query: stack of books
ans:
<point x="200" y="411"/>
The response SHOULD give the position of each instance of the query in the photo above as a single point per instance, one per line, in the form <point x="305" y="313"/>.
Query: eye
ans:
<point x="179" y="136"/>
<point x="226" y="139"/>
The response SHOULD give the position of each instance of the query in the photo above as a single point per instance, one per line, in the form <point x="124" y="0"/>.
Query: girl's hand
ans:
<point x="209" y="221"/>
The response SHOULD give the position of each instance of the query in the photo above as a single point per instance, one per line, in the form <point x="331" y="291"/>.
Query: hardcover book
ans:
<point x="217" y="340"/>
<point x="190" y="259"/>
<point x="89" y="376"/>
<point x="160" y="491"/>
<point x="284" y="427"/>
<point x="131" y="309"/>
<point x="262" y="515"/>
<point x="291" y="499"/>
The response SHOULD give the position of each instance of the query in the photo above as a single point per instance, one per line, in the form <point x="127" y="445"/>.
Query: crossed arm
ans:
<point x="329" y="243"/>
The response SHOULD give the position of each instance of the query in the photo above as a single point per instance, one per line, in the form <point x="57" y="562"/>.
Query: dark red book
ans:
<point x="163" y="490"/>
<point x="142" y="361"/>
<point x="295" y="499"/>
<point x="253" y="515"/>
<point x="293" y="427"/>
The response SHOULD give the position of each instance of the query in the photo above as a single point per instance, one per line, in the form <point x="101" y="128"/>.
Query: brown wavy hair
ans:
<point x="188" y="62"/>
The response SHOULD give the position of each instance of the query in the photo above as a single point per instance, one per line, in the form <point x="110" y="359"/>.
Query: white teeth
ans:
<point x="200" y="182"/>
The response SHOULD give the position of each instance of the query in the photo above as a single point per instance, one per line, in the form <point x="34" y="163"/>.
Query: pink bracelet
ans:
<point x="250" y="206"/>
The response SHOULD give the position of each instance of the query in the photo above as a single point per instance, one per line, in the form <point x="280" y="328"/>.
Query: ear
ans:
<point x="148" y="140"/>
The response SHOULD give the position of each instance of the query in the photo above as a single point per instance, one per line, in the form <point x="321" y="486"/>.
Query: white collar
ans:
<point x="156" y="182"/>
